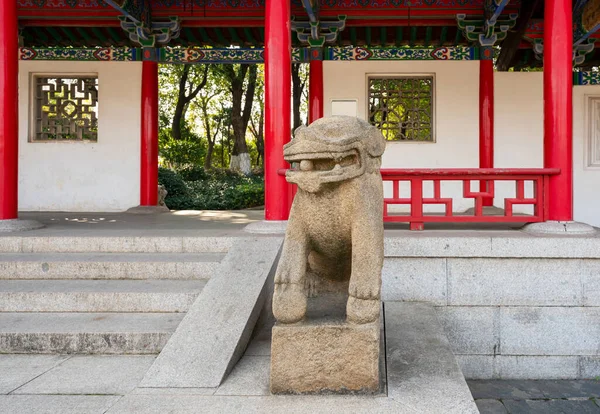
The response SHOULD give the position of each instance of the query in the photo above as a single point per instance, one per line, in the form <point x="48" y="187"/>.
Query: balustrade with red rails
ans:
<point x="415" y="178"/>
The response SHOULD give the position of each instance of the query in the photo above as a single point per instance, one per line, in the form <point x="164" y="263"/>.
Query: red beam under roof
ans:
<point x="229" y="10"/>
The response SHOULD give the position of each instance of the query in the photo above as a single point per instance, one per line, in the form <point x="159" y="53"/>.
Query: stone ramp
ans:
<point x="215" y="331"/>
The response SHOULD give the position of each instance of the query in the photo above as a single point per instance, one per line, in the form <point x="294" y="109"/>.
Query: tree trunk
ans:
<point x="297" y="89"/>
<point x="183" y="99"/>
<point x="260" y="138"/>
<point x="181" y="105"/>
<point x="240" y="158"/>
<point x="209" y="154"/>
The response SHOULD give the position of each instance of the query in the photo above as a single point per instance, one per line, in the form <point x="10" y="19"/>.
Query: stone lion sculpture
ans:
<point x="335" y="228"/>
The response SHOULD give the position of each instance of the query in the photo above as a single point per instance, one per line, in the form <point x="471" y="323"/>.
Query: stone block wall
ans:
<point x="512" y="307"/>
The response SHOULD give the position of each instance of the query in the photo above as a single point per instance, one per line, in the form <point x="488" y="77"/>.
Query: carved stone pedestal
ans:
<point x="322" y="357"/>
<point x="324" y="353"/>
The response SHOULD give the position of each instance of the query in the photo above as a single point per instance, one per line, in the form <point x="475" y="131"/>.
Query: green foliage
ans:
<point x="190" y="150"/>
<point x="193" y="188"/>
<point x="173" y="182"/>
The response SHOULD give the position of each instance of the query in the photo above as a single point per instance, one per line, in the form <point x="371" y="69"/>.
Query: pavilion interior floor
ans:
<point x="212" y="223"/>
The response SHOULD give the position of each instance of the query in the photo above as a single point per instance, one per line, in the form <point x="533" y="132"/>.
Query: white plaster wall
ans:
<point x="518" y="120"/>
<point x="518" y="127"/>
<point x="456" y="116"/>
<point x="83" y="176"/>
<point x="456" y="106"/>
<point x="586" y="180"/>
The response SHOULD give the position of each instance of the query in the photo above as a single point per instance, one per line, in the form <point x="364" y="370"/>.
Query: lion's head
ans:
<point x="332" y="150"/>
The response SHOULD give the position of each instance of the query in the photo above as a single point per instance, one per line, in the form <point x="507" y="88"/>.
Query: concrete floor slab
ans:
<point x="17" y="370"/>
<point x="260" y="404"/>
<point x="249" y="377"/>
<point x="53" y="404"/>
<point x="260" y="345"/>
<point x="97" y="374"/>
<point x="422" y="370"/>
<point x="173" y="391"/>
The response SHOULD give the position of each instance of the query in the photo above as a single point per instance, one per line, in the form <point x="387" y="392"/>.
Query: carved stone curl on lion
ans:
<point x="335" y="228"/>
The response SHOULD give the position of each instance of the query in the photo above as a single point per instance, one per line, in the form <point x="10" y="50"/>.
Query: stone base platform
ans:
<point x="322" y="357"/>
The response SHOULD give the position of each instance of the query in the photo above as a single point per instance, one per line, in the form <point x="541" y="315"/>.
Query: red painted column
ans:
<point x="315" y="91"/>
<point x="149" y="137"/>
<point x="278" y="90"/>
<point x="486" y="120"/>
<point x="9" y="115"/>
<point x="558" y="106"/>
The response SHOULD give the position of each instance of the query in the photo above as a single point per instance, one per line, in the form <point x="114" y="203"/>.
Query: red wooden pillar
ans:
<point x="9" y="115"/>
<point x="486" y="120"/>
<point x="558" y="106"/>
<point x="149" y="138"/>
<point x="278" y="90"/>
<point x="315" y="90"/>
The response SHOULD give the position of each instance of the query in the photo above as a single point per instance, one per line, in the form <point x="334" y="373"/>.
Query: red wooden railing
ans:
<point x="414" y="178"/>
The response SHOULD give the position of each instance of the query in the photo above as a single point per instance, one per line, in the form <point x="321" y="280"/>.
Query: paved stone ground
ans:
<point x="536" y="397"/>
<point x="110" y="384"/>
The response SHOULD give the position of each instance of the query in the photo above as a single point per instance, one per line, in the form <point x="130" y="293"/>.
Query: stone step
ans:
<point x="98" y="295"/>
<point x="114" y="244"/>
<point x="108" y="265"/>
<point x="86" y="333"/>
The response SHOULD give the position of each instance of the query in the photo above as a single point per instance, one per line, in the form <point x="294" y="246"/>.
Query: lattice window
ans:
<point x="593" y="135"/>
<point x="66" y="108"/>
<point x="402" y="107"/>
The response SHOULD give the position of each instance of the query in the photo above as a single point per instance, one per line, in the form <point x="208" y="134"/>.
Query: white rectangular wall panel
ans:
<point x="84" y="176"/>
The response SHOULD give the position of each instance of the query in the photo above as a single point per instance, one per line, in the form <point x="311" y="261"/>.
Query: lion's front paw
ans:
<point x="362" y="310"/>
<point x="289" y="302"/>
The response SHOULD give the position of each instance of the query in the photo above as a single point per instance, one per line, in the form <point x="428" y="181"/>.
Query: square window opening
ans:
<point x="402" y="107"/>
<point x="65" y="108"/>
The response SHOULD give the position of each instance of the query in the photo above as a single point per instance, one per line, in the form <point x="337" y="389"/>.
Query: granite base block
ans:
<point x="325" y="357"/>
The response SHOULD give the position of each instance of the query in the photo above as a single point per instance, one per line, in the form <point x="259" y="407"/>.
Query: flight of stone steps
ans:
<point x="100" y="295"/>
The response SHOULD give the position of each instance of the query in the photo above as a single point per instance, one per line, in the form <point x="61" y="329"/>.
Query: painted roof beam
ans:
<point x="138" y="11"/>
<point x="311" y="11"/>
<point x="510" y="46"/>
<point x="585" y="21"/>
<point x="316" y="34"/>
<point x="496" y="10"/>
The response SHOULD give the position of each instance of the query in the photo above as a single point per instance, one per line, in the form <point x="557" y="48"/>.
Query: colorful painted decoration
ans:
<point x="107" y="54"/>
<point x="196" y="55"/>
<point x="399" y="53"/>
<point x="248" y="55"/>
<point x="586" y="78"/>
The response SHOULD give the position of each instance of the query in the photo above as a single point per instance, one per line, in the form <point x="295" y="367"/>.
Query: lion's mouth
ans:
<point x="312" y="170"/>
<point x="323" y="162"/>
